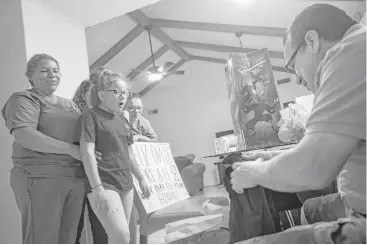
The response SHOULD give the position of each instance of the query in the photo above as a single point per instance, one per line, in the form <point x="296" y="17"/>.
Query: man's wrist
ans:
<point x="258" y="169"/>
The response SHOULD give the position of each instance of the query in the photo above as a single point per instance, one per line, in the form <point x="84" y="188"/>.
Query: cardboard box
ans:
<point x="254" y="100"/>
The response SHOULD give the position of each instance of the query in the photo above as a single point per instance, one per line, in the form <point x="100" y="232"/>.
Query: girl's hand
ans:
<point x="101" y="200"/>
<point x="145" y="189"/>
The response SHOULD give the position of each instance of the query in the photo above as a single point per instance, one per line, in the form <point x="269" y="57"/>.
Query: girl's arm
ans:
<point x="90" y="163"/>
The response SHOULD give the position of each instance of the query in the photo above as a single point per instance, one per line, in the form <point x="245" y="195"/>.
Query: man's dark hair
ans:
<point x="331" y="23"/>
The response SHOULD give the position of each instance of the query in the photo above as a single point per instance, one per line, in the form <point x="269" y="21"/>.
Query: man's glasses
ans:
<point x="118" y="93"/>
<point x="131" y="108"/>
<point x="290" y="67"/>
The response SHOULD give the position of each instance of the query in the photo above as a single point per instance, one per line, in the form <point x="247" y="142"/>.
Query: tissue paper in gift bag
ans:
<point x="254" y="101"/>
<point x="184" y="231"/>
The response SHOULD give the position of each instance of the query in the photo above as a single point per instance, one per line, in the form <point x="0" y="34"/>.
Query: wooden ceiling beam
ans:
<point x="157" y="32"/>
<point x="153" y="84"/>
<point x="213" y="27"/>
<point x="225" y="49"/>
<point x="156" y="55"/>
<point x="118" y="47"/>
<point x="223" y="61"/>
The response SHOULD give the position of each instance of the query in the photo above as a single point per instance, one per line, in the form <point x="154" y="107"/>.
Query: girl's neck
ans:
<point x="103" y="107"/>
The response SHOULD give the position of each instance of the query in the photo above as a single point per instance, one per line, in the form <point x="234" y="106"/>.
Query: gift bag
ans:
<point x="292" y="125"/>
<point x="187" y="231"/>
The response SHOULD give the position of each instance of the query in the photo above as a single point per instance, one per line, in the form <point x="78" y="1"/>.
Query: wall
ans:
<point x="12" y="64"/>
<point x="31" y="28"/>
<point x="195" y="106"/>
<point x="49" y="32"/>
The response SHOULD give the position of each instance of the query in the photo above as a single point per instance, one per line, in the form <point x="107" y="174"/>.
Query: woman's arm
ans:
<point x="143" y="138"/>
<point x="150" y="135"/>
<point x="21" y="114"/>
<point x="90" y="163"/>
<point x="34" y="140"/>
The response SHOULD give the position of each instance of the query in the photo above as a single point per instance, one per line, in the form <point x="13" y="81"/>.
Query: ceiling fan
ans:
<point x="156" y="73"/>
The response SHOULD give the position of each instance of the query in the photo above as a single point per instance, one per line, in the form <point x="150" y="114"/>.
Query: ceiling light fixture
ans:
<point x="153" y="77"/>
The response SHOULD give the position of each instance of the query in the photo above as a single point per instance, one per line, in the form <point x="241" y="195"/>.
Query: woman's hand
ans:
<point x="145" y="189"/>
<point x="74" y="151"/>
<point x="136" y="138"/>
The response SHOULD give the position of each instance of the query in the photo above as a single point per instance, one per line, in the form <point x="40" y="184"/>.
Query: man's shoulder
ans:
<point x="352" y="43"/>
<point x="346" y="58"/>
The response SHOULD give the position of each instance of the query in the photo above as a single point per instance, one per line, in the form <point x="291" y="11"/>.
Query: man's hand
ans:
<point x="242" y="176"/>
<point x="145" y="189"/>
<point x="252" y="156"/>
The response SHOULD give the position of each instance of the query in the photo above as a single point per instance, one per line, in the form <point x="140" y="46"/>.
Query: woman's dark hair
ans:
<point x="134" y="96"/>
<point x="330" y="23"/>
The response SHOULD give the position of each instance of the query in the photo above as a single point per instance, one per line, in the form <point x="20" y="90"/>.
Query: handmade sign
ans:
<point x="254" y="100"/>
<point x="156" y="163"/>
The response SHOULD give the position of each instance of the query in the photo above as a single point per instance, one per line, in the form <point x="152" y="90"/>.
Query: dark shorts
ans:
<point x="324" y="208"/>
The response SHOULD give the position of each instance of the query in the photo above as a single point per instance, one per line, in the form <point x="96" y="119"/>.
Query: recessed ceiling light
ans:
<point x="242" y="2"/>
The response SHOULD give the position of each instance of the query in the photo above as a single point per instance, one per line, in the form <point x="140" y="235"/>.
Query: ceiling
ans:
<point x="185" y="30"/>
<point x="92" y="12"/>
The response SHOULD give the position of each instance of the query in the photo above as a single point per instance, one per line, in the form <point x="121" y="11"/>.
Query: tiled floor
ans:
<point x="211" y="191"/>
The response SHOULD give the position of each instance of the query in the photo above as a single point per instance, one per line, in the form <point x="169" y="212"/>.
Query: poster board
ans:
<point x="157" y="165"/>
<point x="254" y="100"/>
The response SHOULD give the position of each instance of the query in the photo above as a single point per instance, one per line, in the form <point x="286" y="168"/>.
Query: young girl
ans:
<point x="105" y="129"/>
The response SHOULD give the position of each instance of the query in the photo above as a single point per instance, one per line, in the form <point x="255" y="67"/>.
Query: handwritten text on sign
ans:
<point x="160" y="171"/>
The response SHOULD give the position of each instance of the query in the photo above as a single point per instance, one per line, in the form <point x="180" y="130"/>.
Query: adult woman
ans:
<point x="47" y="178"/>
<point x="140" y="127"/>
<point x="142" y="131"/>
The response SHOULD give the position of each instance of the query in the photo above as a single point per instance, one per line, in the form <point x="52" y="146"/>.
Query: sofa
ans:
<point x="192" y="174"/>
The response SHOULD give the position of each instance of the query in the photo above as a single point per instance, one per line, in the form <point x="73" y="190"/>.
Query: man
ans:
<point x="326" y="49"/>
